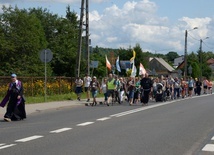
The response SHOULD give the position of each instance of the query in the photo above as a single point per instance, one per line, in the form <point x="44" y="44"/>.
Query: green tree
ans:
<point x="170" y="57"/>
<point x="62" y="36"/>
<point x="23" y="39"/>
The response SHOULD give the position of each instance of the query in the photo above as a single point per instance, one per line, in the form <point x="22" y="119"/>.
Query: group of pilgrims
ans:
<point x="140" y="90"/>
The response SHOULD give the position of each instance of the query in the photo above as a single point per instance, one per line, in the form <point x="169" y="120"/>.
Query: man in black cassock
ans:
<point x="16" y="105"/>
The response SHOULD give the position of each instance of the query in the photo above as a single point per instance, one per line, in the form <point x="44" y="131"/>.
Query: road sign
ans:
<point x="94" y="64"/>
<point x="179" y="73"/>
<point x="46" y="55"/>
<point x="190" y="69"/>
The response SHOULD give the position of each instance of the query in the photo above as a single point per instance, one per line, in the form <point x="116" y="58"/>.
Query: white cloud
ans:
<point x="138" y="22"/>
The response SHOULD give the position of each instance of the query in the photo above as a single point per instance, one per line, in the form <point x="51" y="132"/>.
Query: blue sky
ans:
<point x="157" y="25"/>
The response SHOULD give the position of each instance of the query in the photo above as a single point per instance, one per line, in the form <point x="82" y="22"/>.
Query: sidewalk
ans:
<point x="38" y="107"/>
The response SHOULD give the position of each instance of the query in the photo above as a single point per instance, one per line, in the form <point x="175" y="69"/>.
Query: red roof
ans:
<point x="210" y="61"/>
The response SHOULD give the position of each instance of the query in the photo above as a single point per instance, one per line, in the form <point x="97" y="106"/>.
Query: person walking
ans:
<point x="121" y="90"/>
<point x="205" y="82"/>
<point x="78" y="89"/>
<point x="104" y="90"/>
<point x="87" y="80"/>
<point x="198" y="85"/>
<point x="210" y="86"/>
<point x="94" y="87"/>
<point x="137" y="91"/>
<point x="131" y="88"/>
<point x="177" y="88"/>
<point x="111" y="86"/>
<point x="16" y="105"/>
<point x="190" y="86"/>
<point x="183" y="88"/>
<point x="146" y="87"/>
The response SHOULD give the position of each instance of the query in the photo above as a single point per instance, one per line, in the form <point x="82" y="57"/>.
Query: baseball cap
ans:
<point x="13" y="75"/>
<point x="94" y="77"/>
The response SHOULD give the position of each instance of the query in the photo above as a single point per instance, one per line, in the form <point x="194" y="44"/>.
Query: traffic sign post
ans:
<point x="45" y="56"/>
<point x="179" y="73"/>
<point x="190" y="70"/>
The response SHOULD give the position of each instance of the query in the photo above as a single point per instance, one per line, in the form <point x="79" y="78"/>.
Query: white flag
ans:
<point x="134" y="70"/>
<point x="118" y="65"/>
<point x="142" y="70"/>
<point x="108" y="65"/>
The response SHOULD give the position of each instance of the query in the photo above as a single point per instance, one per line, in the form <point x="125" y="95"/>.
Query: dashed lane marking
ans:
<point x="208" y="148"/>
<point x="84" y="124"/>
<point x="60" y="130"/>
<point x="103" y="119"/>
<point x="2" y="144"/>
<point x="29" y="138"/>
<point x="6" y="146"/>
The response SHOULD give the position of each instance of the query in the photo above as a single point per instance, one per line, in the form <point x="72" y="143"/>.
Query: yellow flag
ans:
<point x="132" y="59"/>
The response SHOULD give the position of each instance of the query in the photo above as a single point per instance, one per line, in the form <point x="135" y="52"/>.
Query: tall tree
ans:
<point x="23" y="39"/>
<point x="61" y="34"/>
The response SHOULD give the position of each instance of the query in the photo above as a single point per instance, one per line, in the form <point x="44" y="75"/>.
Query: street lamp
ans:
<point x="185" y="51"/>
<point x="200" y="54"/>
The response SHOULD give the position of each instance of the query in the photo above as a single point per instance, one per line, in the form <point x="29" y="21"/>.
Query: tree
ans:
<point x="195" y="70"/>
<point x="23" y="39"/>
<point x="170" y="57"/>
<point x="62" y="36"/>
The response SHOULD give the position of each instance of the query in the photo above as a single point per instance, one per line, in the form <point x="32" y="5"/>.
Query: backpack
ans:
<point x="94" y="85"/>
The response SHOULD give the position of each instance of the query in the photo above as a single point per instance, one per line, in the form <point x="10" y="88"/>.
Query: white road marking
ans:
<point x="141" y="109"/>
<point x="6" y="146"/>
<point x="60" y="130"/>
<point x="103" y="119"/>
<point x="29" y="138"/>
<point x="2" y="144"/>
<point x="84" y="124"/>
<point x="209" y="148"/>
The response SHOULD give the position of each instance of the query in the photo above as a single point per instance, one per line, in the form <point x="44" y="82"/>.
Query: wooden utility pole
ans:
<point x="80" y="40"/>
<point x="86" y="37"/>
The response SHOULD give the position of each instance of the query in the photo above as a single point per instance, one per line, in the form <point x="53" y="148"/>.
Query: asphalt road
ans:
<point x="179" y="127"/>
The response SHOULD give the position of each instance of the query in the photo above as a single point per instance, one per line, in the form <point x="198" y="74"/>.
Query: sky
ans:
<point x="158" y="26"/>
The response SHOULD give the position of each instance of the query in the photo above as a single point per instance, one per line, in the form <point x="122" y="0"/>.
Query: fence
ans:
<point x="35" y="86"/>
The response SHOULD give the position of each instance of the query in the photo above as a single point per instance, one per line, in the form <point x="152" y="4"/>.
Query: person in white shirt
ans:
<point x="78" y="90"/>
<point x="104" y="91"/>
<point x="87" y="80"/>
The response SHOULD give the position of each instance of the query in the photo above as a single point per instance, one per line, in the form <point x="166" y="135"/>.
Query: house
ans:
<point x="161" y="67"/>
<point x="210" y="62"/>
<point x="178" y="61"/>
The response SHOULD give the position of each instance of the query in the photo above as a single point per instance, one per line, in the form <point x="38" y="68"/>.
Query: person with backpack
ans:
<point x="16" y="105"/>
<point x="94" y="87"/>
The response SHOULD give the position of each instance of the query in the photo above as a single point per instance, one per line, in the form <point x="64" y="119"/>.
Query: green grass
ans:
<point x="50" y="98"/>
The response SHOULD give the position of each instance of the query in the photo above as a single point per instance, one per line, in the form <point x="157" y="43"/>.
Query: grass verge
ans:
<point x="51" y="98"/>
